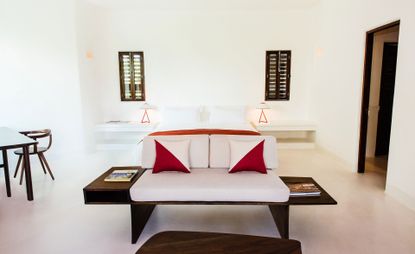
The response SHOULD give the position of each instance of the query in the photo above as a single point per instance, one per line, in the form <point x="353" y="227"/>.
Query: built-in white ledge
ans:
<point x="121" y="135"/>
<point x="125" y="126"/>
<point x="291" y="134"/>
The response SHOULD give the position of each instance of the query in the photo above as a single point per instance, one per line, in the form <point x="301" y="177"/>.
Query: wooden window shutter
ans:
<point x="278" y="75"/>
<point x="131" y="76"/>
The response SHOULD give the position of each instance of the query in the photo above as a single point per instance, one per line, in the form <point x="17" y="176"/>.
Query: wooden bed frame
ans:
<point x="99" y="192"/>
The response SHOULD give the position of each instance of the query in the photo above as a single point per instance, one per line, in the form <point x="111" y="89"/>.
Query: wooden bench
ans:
<point x="177" y="242"/>
<point x="100" y="192"/>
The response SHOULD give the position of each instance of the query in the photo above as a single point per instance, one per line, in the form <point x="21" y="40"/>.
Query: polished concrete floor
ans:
<point x="365" y="220"/>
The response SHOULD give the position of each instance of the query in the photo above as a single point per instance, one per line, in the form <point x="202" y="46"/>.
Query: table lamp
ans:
<point x="145" y="118"/>
<point x="262" y="116"/>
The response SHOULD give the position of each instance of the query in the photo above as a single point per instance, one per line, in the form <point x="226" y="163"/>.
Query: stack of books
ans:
<point x="303" y="189"/>
<point x="121" y="175"/>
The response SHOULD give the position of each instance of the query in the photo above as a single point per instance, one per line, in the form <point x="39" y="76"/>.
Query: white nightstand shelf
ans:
<point x="120" y="135"/>
<point x="291" y="134"/>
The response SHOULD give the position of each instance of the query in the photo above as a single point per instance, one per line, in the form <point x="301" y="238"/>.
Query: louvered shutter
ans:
<point x="278" y="73"/>
<point x="131" y="76"/>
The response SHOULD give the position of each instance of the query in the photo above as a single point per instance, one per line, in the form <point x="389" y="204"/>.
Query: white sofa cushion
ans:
<point x="220" y="150"/>
<point x="210" y="185"/>
<point x="198" y="150"/>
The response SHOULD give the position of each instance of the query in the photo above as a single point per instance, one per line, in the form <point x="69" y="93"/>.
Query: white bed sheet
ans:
<point x="188" y="126"/>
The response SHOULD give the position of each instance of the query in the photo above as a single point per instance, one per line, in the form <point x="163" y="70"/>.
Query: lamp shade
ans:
<point x="146" y="106"/>
<point x="263" y="105"/>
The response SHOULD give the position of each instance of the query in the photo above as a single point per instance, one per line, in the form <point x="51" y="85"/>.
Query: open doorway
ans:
<point x="377" y="102"/>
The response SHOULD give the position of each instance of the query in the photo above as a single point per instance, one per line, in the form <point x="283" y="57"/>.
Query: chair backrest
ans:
<point x="39" y="134"/>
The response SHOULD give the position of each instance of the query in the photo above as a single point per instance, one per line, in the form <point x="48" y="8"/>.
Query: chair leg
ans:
<point x="47" y="165"/>
<point x="41" y="163"/>
<point x="18" y="165"/>
<point x="22" y="173"/>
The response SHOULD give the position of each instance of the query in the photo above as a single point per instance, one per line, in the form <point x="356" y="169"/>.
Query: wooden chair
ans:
<point x="35" y="150"/>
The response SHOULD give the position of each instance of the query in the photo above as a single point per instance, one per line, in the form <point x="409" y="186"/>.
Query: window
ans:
<point x="278" y="73"/>
<point x="131" y="76"/>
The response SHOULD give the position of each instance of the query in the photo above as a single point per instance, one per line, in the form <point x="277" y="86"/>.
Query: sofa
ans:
<point x="209" y="180"/>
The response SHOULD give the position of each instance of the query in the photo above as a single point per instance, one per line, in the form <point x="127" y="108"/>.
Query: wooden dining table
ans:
<point x="11" y="139"/>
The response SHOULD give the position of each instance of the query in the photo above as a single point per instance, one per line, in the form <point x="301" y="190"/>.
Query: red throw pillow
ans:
<point x="247" y="156"/>
<point x="172" y="156"/>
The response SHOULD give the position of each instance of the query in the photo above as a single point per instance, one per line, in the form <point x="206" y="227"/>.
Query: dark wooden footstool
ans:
<point x="177" y="242"/>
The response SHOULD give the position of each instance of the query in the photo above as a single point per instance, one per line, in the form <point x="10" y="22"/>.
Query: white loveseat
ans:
<point x="209" y="180"/>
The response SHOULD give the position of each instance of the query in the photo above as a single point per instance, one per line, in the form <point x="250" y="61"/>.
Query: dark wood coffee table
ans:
<point x="177" y="242"/>
<point x="100" y="192"/>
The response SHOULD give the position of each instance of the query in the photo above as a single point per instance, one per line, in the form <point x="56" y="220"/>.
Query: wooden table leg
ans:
<point x="139" y="217"/>
<point x="281" y="215"/>
<point x="6" y="172"/>
<point x="28" y="175"/>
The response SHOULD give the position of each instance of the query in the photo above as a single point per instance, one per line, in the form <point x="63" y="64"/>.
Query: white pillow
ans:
<point x="198" y="149"/>
<point x="172" y="115"/>
<point x="220" y="152"/>
<point x="240" y="148"/>
<point x="220" y="115"/>
<point x="179" y="149"/>
<point x="247" y="156"/>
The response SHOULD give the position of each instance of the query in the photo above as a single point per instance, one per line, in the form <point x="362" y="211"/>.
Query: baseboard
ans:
<point x="400" y="196"/>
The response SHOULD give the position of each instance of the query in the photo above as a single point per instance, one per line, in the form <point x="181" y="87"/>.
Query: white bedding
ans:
<point x="188" y="126"/>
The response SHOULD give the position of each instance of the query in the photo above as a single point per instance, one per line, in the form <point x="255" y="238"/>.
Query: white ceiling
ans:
<point x="207" y="4"/>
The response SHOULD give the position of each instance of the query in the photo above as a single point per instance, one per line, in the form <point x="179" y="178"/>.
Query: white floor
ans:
<point x="364" y="221"/>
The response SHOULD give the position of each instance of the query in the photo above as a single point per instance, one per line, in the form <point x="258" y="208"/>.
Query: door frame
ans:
<point x="364" y="115"/>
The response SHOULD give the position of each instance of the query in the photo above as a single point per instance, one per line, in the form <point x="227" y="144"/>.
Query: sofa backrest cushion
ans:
<point x="220" y="155"/>
<point x="198" y="149"/>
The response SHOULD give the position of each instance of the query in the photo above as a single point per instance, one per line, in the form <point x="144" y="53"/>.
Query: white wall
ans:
<point x="85" y="25"/>
<point x="201" y="57"/>
<point x="38" y="70"/>
<point x="388" y="35"/>
<point x="338" y="85"/>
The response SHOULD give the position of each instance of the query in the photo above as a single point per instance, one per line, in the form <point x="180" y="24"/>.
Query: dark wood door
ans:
<point x="387" y="88"/>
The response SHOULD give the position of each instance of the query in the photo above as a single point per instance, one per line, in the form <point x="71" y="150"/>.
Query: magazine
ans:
<point x="121" y="175"/>
<point x="303" y="189"/>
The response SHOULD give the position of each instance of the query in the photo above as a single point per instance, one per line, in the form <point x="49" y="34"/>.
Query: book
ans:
<point x="303" y="189"/>
<point x="121" y="175"/>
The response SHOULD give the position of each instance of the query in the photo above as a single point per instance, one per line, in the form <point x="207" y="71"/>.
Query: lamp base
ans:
<point x="145" y="118"/>
<point x="262" y="117"/>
